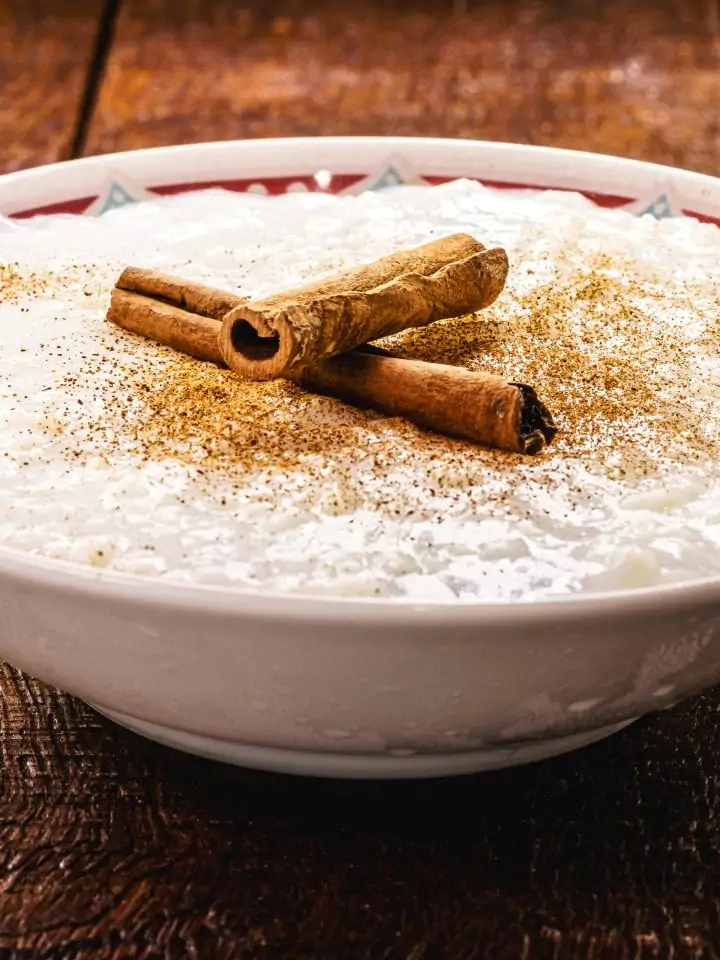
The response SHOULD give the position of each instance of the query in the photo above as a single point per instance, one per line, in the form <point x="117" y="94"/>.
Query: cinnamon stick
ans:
<point x="192" y="297"/>
<point x="279" y="335"/>
<point x="457" y="402"/>
<point x="190" y="333"/>
<point x="471" y="405"/>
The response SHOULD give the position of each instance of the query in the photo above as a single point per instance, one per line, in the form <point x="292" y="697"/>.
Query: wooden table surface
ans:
<point x="114" y="848"/>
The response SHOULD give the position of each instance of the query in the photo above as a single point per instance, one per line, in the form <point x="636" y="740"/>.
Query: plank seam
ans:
<point x="94" y="76"/>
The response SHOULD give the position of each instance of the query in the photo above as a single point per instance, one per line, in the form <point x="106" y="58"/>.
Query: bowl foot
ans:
<point x="355" y="766"/>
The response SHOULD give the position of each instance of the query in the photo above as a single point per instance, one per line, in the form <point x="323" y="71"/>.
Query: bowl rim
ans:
<point x="349" y="154"/>
<point x="151" y="592"/>
<point x="79" y="579"/>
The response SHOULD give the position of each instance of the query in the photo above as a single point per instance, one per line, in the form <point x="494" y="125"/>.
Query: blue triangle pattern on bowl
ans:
<point x="662" y="206"/>
<point x="390" y="177"/>
<point x="394" y="172"/>
<point x="660" y="209"/>
<point x="118" y="192"/>
<point x="117" y="196"/>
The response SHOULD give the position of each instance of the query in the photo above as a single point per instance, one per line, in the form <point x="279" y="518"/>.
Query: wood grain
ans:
<point x="45" y="48"/>
<point x="635" y="78"/>
<point x="111" y="848"/>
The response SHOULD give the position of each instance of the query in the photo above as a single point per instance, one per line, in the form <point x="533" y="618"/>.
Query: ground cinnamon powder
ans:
<point x="588" y="340"/>
<point x="613" y="378"/>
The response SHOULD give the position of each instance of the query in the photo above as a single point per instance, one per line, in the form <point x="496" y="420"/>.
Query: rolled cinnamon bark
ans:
<point x="193" y="297"/>
<point x="471" y="405"/>
<point x="280" y="335"/>
<point x="171" y="311"/>
<point x="454" y="401"/>
<point x="189" y="333"/>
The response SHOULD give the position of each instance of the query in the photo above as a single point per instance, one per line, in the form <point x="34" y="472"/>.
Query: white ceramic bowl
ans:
<point x="354" y="687"/>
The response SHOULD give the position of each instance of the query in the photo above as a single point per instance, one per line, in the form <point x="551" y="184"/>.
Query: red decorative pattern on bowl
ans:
<point x="275" y="186"/>
<point x="342" y="165"/>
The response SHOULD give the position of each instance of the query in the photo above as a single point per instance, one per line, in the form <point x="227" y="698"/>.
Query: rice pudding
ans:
<point x="120" y="453"/>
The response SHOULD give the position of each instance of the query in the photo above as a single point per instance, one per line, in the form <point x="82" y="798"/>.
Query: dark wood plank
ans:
<point x="112" y="849"/>
<point x="45" y="49"/>
<point x="636" y="78"/>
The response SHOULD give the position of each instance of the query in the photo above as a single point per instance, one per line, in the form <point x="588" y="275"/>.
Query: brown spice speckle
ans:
<point x="611" y="369"/>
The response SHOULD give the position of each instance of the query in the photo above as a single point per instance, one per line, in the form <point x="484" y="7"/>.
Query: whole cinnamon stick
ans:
<point x="279" y="335"/>
<point x="471" y="405"/>
<point x="185" y="332"/>
<point x="192" y="297"/>
<point x="457" y="402"/>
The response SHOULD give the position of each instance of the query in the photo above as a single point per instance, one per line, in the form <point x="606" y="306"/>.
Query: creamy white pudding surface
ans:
<point x="121" y="454"/>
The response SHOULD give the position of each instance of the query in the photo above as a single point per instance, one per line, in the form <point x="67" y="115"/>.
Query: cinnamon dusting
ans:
<point x="603" y="365"/>
<point x="612" y="404"/>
